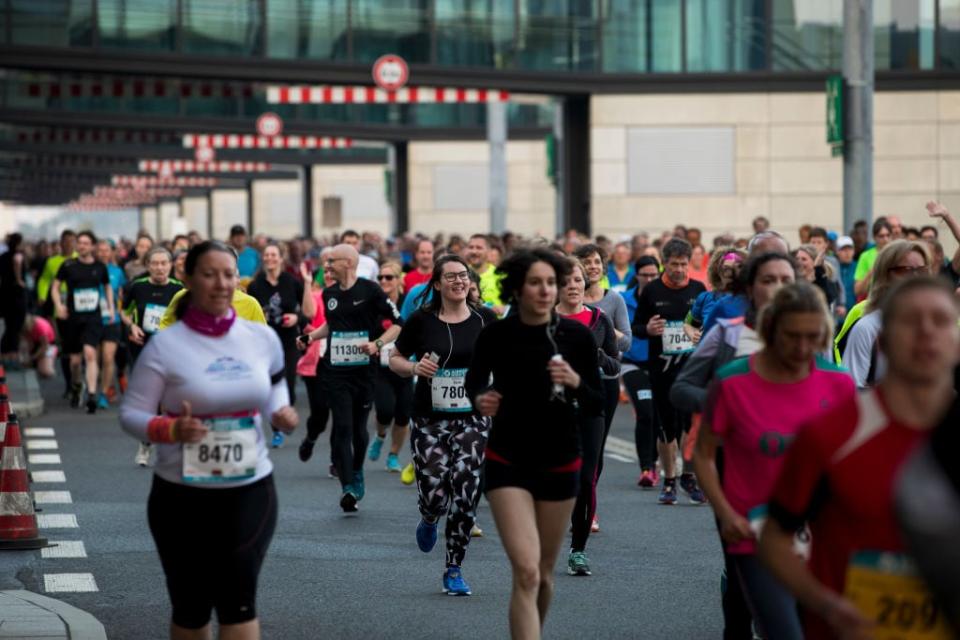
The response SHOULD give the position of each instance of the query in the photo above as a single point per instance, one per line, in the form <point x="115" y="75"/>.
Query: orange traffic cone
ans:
<point x="18" y="522"/>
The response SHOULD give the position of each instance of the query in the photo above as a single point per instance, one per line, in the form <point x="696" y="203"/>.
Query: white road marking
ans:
<point x="48" y="476"/>
<point x="44" y="458"/>
<point x="64" y="549"/>
<point x="36" y="432"/>
<point x="619" y="458"/>
<point x="57" y="521"/>
<point x="69" y="582"/>
<point x="620" y="449"/>
<point x="41" y="444"/>
<point x="52" y="497"/>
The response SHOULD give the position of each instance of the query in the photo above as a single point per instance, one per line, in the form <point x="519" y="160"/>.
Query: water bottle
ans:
<point x="557" y="386"/>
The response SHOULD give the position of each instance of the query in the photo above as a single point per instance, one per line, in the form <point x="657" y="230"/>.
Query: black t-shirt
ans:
<point x="532" y="428"/>
<point x="424" y="333"/>
<point x="669" y="351"/>
<point x="354" y="317"/>
<point x="148" y="302"/>
<point x="276" y="300"/>
<point x="83" y="282"/>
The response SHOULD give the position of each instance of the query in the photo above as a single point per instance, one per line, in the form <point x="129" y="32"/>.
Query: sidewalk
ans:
<point x="24" y="614"/>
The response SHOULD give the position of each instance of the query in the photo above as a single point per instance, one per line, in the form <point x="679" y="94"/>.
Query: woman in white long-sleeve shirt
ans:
<point x="212" y="508"/>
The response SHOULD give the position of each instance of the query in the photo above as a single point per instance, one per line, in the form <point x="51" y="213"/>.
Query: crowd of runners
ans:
<point x="784" y="387"/>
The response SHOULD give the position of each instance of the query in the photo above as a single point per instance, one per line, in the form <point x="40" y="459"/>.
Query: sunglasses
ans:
<point x="386" y="277"/>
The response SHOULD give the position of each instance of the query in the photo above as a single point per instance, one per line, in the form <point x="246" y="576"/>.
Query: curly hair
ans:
<point x="514" y="271"/>
<point x="716" y="263"/>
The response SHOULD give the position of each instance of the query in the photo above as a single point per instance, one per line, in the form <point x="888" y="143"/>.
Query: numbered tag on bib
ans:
<point x="801" y="539"/>
<point x="86" y="300"/>
<point x="227" y="453"/>
<point x="152" y="314"/>
<point x="385" y="352"/>
<point x="346" y="348"/>
<point x="447" y="392"/>
<point x="886" y="588"/>
<point x="675" y="341"/>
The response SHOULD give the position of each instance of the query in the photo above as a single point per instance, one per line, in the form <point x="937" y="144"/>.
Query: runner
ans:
<point x="762" y="276"/>
<point x="285" y="302"/>
<point x="68" y="243"/>
<point x="41" y="344"/>
<point x="635" y="373"/>
<point x="215" y="378"/>
<point x="355" y="309"/>
<point x="144" y="302"/>
<point x="478" y="249"/>
<point x="135" y="265"/>
<point x="81" y="315"/>
<point x="620" y="271"/>
<point x="540" y="365"/>
<point x="13" y="292"/>
<point x="248" y="259"/>
<point x="662" y="307"/>
<point x="448" y="437"/>
<point x="367" y="267"/>
<point x="310" y="369"/>
<point x="839" y="477"/>
<point x="591" y="426"/>
<point x="112" y="327"/>
<point x="723" y="271"/>
<point x="861" y="354"/>
<point x="882" y="236"/>
<point x="422" y="268"/>
<point x="757" y="405"/>
<point x="393" y="394"/>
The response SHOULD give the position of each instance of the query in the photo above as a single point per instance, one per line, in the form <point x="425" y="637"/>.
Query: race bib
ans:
<point x="104" y="311"/>
<point x="801" y="539"/>
<point x="346" y="348"/>
<point x="152" y="314"/>
<point x="886" y="588"/>
<point x="86" y="300"/>
<point x="619" y="288"/>
<point x="385" y="352"/>
<point x="447" y="392"/>
<point x="675" y="341"/>
<point x="227" y="453"/>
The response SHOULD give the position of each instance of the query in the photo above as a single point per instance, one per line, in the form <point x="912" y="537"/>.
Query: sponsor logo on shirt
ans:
<point x="774" y="444"/>
<point x="227" y="368"/>
<point x="332" y="304"/>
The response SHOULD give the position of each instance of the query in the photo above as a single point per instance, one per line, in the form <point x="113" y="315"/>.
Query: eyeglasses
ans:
<point x="386" y="276"/>
<point x="649" y="276"/>
<point x="450" y="278"/>
<point x="331" y="260"/>
<point x="908" y="271"/>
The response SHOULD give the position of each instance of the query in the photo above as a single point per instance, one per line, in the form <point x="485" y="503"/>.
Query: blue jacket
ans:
<point x="639" y="351"/>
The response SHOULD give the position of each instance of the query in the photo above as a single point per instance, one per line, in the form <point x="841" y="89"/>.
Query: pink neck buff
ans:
<point x="208" y="325"/>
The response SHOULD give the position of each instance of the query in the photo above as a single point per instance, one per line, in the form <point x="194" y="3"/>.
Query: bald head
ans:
<point x="768" y="242"/>
<point x="346" y="252"/>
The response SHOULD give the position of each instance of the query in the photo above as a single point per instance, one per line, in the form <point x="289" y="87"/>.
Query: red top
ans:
<point x="42" y="329"/>
<point x="414" y="277"/>
<point x="839" y="475"/>
<point x="583" y="317"/>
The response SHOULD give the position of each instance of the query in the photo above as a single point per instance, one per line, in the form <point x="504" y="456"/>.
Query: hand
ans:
<point x="820" y="258"/>
<point x="305" y="273"/>
<point x="487" y="404"/>
<point x="427" y="368"/>
<point x="845" y="619"/>
<point x="655" y="326"/>
<point x="562" y="373"/>
<point x="288" y="320"/>
<point x="735" y="528"/>
<point x="370" y="348"/>
<point x="840" y="311"/>
<point x="695" y="335"/>
<point x="187" y="428"/>
<point x="285" y="419"/>
<point x="619" y="334"/>
<point x="937" y="210"/>
<point x="136" y="335"/>
<point x="61" y="313"/>
<point x="303" y="342"/>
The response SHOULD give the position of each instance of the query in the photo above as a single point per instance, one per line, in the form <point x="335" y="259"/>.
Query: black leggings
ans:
<point x="349" y="397"/>
<point x="591" y="442"/>
<point x="673" y="422"/>
<point x="611" y="398"/>
<point x="291" y="356"/>
<point x="392" y="398"/>
<point x="638" y="387"/>
<point x="14" y="315"/>
<point x="319" y="409"/>
<point x="217" y="569"/>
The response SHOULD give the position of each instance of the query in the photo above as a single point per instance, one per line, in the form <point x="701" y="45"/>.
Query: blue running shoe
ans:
<point x="688" y="484"/>
<point x="427" y="536"/>
<point x="375" y="448"/>
<point x="359" y="487"/>
<point x="393" y="463"/>
<point x="102" y="402"/>
<point x="277" y="441"/>
<point x="668" y="494"/>
<point x="348" y="501"/>
<point x="454" y="584"/>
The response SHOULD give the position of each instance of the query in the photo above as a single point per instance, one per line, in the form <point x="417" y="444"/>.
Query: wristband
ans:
<point x="413" y="371"/>
<point x="162" y="429"/>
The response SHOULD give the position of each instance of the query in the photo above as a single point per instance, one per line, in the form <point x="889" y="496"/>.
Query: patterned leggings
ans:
<point x="447" y="456"/>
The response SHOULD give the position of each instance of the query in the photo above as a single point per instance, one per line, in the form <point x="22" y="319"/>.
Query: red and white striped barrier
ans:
<point x="157" y="181"/>
<point x="192" y="166"/>
<point x="245" y="141"/>
<point x="123" y="192"/>
<point x="327" y="94"/>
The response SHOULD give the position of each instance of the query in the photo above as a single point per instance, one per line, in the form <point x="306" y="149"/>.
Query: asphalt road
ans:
<point x="656" y="569"/>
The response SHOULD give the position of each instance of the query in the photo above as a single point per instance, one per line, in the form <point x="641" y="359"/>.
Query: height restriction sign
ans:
<point x="390" y="72"/>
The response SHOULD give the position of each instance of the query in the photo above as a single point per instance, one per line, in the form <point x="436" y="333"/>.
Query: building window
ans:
<point x="51" y="23"/>
<point x="726" y="35"/>
<point x="401" y="27"/>
<point x="148" y="25"/>
<point x="475" y="33"/>
<point x="681" y="160"/>
<point x="309" y="29"/>
<point x="214" y="27"/>
<point x="557" y="35"/>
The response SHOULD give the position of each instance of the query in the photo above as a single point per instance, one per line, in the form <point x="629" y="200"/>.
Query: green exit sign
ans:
<point x="835" y="113"/>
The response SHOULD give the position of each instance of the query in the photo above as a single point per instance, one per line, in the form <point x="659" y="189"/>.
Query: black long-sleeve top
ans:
<point x="530" y="428"/>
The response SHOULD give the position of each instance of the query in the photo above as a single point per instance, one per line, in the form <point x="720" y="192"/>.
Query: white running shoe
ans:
<point x="143" y="455"/>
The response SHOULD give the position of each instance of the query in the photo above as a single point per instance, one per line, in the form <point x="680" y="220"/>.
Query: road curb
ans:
<point x="25" y="397"/>
<point x="80" y="624"/>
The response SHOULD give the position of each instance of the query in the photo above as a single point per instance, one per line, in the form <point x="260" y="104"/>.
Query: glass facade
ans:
<point x="611" y="36"/>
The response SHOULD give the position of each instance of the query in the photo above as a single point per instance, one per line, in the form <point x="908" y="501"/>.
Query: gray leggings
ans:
<point x="774" y="609"/>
